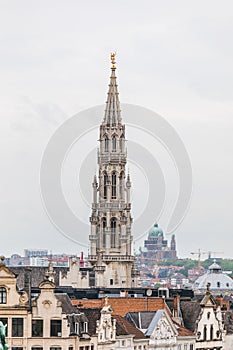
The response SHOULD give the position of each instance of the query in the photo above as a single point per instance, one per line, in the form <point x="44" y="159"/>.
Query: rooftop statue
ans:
<point x="3" y="345"/>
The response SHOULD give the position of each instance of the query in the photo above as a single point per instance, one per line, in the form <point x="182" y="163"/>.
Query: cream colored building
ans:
<point x="44" y="322"/>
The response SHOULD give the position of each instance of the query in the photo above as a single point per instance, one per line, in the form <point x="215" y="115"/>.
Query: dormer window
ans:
<point x="76" y="328"/>
<point x="84" y="328"/>
<point x="2" y="295"/>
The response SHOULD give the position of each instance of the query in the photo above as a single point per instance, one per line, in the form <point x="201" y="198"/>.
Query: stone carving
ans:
<point x="3" y="345"/>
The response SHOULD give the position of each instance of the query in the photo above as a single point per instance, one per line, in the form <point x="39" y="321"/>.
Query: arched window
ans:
<point x="114" y="144"/>
<point x="104" y="223"/>
<point x="2" y="295"/>
<point x="113" y="233"/>
<point x="121" y="185"/>
<point x="113" y="186"/>
<point x="105" y="185"/>
<point x="122" y="143"/>
<point x="106" y="144"/>
<point x="218" y="284"/>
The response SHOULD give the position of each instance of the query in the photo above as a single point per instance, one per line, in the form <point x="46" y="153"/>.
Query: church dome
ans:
<point x="219" y="282"/>
<point x="155" y="231"/>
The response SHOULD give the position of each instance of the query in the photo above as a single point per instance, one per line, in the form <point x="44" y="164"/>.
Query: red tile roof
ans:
<point x="182" y="331"/>
<point x="121" y="306"/>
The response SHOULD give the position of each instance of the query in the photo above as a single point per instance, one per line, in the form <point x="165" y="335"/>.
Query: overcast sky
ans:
<point x="174" y="57"/>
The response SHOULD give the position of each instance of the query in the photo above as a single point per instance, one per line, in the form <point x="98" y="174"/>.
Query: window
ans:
<point x="106" y="143"/>
<point x="55" y="348"/>
<point x="185" y="346"/>
<point x="37" y="328"/>
<point x="76" y="328"/>
<point x="83" y="327"/>
<point x="123" y="343"/>
<point x="111" y="282"/>
<point x="36" y="348"/>
<point x="92" y="347"/>
<point x="81" y="348"/>
<point x="205" y="333"/>
<point x="105" y="185"/>
<point x="218" y="284"/>
<point x="211" y="332"/>
<point x="4" y="320"/>
<point x="55" y="328"/>
<point x="17" y="327"/>
<point x="114" y="144"/>
<point x="227" y="284"/>
<point x="208" y="315"/>
<point x="70" y="348"/>
<point x="104" y="232"/>
<point x="17" y="348"/>
<point x="113" y="186"/>
<point x="191" y="347"/>
<point x="86" y="347"/>
<point x="113" y="233"/>
<point x="2" y="295"/>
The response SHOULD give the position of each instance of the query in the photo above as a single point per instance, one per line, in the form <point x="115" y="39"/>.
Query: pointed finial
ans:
<point x="113" y="55"/>
<point x="2" y="258"/>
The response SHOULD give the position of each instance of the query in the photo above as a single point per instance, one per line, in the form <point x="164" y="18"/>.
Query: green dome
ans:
<point x="155" y="231"/>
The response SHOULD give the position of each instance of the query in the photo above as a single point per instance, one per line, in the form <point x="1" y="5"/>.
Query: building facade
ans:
<point x="46" y="321"/>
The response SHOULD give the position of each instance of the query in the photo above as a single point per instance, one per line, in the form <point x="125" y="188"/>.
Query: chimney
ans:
<point x="177" y="305"/>
<point x="28" y="283"/>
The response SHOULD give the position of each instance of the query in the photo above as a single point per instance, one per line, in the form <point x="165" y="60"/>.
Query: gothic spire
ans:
<point x="112" y="115"/>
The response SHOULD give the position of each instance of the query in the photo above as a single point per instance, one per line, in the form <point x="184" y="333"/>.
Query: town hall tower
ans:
<point x="111" y="237"/>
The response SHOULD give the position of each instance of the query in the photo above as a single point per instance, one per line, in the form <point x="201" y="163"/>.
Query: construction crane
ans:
<point x="199" y="253"/>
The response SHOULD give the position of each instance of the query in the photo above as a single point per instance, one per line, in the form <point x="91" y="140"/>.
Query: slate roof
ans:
<point x="124" y="327"/>
<point x="140" y="320"/>
<point x="37" y="274"/>
<point x="190" y="312"/>
<point x="228" y="321"/>
<point x="93" y="315"/>
<point x="67" y="306"/>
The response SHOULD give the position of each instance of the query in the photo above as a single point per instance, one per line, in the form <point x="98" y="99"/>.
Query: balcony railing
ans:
<point x="113" y="258"/>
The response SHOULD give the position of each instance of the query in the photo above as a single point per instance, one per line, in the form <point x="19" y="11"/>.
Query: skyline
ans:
<point x="47" y="77"/>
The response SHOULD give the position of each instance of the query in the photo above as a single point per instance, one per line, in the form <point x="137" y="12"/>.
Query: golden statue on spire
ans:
<point x="113" y="55"/>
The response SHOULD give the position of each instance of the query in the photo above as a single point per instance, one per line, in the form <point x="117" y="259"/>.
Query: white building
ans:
<point x="209" y="329"/>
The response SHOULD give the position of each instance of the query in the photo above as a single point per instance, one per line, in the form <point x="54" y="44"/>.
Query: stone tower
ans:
<point x="111" y="238"/>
